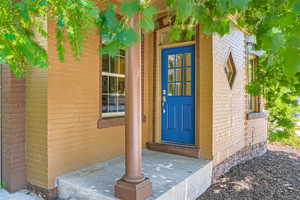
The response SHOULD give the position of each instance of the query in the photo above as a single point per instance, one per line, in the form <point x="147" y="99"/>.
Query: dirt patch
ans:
<point x="275" y="175"/>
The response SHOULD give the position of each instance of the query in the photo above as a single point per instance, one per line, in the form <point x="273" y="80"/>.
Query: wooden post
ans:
<point x="133" y="185"/>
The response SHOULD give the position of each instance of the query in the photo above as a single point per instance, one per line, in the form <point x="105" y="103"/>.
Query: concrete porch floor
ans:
<point x="173" y="177"/>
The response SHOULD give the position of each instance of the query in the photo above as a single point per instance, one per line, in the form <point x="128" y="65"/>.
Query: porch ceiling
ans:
<point x="171" y="176"/>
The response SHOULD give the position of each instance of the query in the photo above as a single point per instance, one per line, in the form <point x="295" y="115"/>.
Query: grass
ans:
<point x="284" y="138"/>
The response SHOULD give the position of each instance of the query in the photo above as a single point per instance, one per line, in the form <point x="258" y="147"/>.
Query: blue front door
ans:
<point x="178" y="94"/>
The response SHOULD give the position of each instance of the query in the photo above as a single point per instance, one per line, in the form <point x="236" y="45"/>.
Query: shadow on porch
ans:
<point x="172" y="176"/>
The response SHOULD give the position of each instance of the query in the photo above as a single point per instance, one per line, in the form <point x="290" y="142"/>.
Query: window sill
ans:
<point x="256" y="115"/>
<point x="113" y="122"/>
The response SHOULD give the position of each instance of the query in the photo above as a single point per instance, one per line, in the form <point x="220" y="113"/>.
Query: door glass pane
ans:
<point x="187" y="74"/>
<point x="179" y="74"/>
<point x="187" y="59"/>
<point x="187" y="89"/>
<point x="179" y="60"/>
<point x="171" y="61"/>
<point x="171" y="89"/>
<point x="171" y="75"/>
<point x="178" y="89"/>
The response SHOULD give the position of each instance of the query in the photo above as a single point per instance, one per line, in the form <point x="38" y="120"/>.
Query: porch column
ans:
<point x="133" y="185"/>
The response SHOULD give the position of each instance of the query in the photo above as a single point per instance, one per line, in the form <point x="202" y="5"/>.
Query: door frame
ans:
<point x="164" y="74"/>
<point x="158" y="87"/>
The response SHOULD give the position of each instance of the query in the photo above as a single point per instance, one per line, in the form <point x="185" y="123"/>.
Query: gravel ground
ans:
<point x="275" y="175"/>
<point x="20" y="195"/>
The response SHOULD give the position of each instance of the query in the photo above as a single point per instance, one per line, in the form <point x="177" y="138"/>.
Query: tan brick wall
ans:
<point x="256" y="130"/>
<point x="74" y="141"/>
<point x="36" y="122"/>
<point x="12" y="130"/>
<point x="37" y="127"/>
<point x="228" y="104"/>
<point x="231" y="130"/>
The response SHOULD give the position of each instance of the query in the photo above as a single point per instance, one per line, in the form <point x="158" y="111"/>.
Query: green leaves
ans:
<point x="130" y="8"/>
<point x="241" y="4"/>
<point x="147" y="20"/>
<point x="273" y="41"/>
<point x="9" y="36"/>
<point x="297" y="6"/>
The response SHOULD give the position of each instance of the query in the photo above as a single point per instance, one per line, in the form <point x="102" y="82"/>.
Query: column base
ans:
<point x="133" y="191"/>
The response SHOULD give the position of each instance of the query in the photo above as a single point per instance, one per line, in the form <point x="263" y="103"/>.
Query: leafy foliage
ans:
<point x="274" y="23"/>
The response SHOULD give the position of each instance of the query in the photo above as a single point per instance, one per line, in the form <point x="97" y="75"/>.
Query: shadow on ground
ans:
<point x="275" y="175"/>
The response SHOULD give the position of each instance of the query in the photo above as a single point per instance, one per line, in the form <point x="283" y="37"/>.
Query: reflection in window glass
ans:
<point x="179" y="74"/>
<point x="121" y="107"/>
<point x="171" y="61"/>
<point x="187" y="89"/>
<point x="187" y="59"/>
<point x="171" y="89"/>
<point x="113" y="85"/>
<point x="179" y="58"/>
<point x="121" y="86"/>
<point x="113" y="104"/>
<point x="171" y="75"/>
<point x="187" y="74"/>
<point x="178" y="89"/>
<point x="253" y="101"/>
<point x="105" y="106"/>
<point x="105" y="84"/>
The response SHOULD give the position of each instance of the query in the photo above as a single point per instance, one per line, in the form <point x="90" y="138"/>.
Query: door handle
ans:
<point x="163" y="104"/>
<point x="163" y="101"/>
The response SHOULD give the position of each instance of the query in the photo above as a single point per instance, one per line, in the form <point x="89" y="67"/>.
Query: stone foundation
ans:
<point x="244" y="154"/>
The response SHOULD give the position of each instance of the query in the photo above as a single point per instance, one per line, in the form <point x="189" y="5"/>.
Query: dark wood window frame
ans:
<point x="254" y="102"/>
<point x="107" y="122"/>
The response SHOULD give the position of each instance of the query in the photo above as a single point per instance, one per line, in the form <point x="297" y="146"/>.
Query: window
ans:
<point x="253" y="101"/>
<point x="113" y="85"/>
<point x="230" y="70"/>
<point x="180" y="74"/>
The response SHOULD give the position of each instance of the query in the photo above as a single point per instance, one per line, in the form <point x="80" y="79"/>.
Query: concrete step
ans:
<point x="173" y="177"/>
